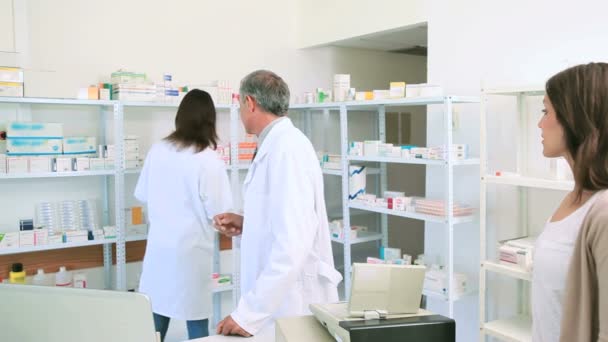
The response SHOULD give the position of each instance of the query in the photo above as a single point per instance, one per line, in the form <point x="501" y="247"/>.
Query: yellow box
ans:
<point x="137" y="215"/>
<point x="93" y="93"/>
<point x="369" y="95"/>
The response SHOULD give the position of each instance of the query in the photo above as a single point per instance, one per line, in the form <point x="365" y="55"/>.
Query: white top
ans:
<point x="552" y="255"/>
<point x="183" y="191"/>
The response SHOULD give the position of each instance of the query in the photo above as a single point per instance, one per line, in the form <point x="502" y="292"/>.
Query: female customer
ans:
<point x="184" y="185"/>
<point x="570" y="277"/>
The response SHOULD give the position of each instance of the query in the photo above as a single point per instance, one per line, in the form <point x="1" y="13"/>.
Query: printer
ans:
<point x="384" y="305"/>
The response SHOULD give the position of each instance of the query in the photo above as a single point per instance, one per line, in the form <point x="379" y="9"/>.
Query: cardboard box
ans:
<point x="96" y="164"/>
<point x="397" y="90"/>
<point x="76" y="236"/>
<point x="11" y="89"/>
<point x="79" y="145"/>
<point x="137" y="216"/>
<point x="109" y="232"/>
<point x="17" y="164"/>
<point x="55" y="238"/>
<point x="26" y="238"/>
<point x="9" y="240"/>
<point x="82" y="164"/>
<point x="34" y="129"/>
<point x="11" y="74"/>
<point x="62" y="164"/>
<point x="22" y="146"/>
<point x="40" y="164"/>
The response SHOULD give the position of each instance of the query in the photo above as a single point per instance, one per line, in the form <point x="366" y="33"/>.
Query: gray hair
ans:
<point x="268" y="89"/>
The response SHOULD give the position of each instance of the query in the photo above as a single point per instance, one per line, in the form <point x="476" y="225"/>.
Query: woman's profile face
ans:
<point x="552" y="132"/>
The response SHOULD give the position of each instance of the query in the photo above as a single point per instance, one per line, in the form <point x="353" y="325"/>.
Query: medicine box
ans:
<point x="2" y="163"/>
<point x="109" y="232"/>
<point x="72" y="236"/>
<point x="11" y="74"/>
<point x="41" y="237"/>
<point x="17" y="164"/>
<point x="40" y="164"/>
<point x="397" y="89"/>
<point x="79" y="145"/>
<point x="34" y="129"/>
<point x="81" y="164"/>
<point x="26" y="238"/>
<point x="11" y="89"/>
<point x="96" y="164"/>
<point x="55" y="238"/>
<point x="62" y="164"/>
<point x="9" y="240"/>
<point x="24" y="146"/>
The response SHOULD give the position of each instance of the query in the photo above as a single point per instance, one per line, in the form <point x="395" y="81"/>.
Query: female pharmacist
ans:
<point x="570" y="277"/>
<point x="184" y="184"/>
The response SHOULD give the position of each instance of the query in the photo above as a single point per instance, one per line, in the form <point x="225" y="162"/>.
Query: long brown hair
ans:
<point x="580" y="98"/>
<point x="195" y="122"/>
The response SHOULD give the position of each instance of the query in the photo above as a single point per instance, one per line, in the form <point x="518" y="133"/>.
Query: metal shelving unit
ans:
<point x="380" y="106"/>
<point x="106" y="108"/>
<point x="518" y="328"/>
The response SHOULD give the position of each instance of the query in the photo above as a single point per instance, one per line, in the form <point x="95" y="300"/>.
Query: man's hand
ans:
<point x="229" y="327"/>
<point x="229" y="224"/>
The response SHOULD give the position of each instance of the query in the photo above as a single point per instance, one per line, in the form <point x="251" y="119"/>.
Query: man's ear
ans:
<point x="251" y="103"/>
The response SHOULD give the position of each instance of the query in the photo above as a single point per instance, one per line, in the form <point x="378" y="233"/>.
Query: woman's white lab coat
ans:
<point x="286" y="256"/>
<point x="183" y="191"/>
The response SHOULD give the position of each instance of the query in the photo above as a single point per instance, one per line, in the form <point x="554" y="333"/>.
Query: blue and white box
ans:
<point x="34" y="129"/>
<point x="357" y="181"/>
<point x="80" y="145"/>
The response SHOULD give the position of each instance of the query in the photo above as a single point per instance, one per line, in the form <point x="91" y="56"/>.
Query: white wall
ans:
<point x="474" y="42"/>
<point x="323" y="22"/>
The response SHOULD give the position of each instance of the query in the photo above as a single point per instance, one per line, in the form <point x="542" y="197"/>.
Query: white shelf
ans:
<point x="224" y="288"/>
<point x="19" y="250"/>
<point x="515" y="329"/>
<point x="153" y="104"/>
<point x="402" y="102"/>
<point x="57" y="174"/>
<point x="415" y="216"/>
<point x="511" y="271"/>
<point x="513" y="91"/>
<point x="131" y="238"/>
<point x="443" y="297"/>
<point x="35" y="100"/>
<point x="361" y="238"/>
<point x="332" y="172"/>
<point x="132" y="171"/>
<point x="530" y="182"/>
<point x="416" y="161"/>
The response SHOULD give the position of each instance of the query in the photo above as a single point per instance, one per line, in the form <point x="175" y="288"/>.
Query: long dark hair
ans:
<point x="195" y="122"/>
<point x="580" y="98"/>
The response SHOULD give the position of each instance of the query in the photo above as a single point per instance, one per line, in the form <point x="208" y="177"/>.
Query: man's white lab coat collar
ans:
<point x="271" y="137"/>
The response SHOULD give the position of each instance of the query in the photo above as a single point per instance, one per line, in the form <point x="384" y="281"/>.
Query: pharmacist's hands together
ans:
<point x="229" y="327"/>
<point x="229" y="224"/>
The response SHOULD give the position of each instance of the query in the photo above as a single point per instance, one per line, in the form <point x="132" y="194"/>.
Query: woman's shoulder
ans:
<point x="597" y="217"/>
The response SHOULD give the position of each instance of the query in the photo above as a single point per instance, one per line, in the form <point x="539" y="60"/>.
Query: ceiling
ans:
<point x="411" y="40"/>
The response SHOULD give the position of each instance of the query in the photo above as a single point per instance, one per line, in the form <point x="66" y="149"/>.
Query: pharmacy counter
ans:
<point x="290" y="329"/>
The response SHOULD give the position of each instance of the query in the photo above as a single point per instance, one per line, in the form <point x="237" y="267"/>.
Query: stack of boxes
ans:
<point x="221" y="92"/>
<point x="376" y="148"/>
<point x="341" y="87"/>
<point x="132" y="86"/>
<point x="41" y="147"/>
<point x="11" y="82"/>
<point x="247" y="149"/>
<point x="107" y="155"/>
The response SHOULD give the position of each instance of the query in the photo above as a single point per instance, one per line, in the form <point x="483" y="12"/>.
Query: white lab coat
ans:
<point x="183" y="191"/>
<point x="286" y="256"/>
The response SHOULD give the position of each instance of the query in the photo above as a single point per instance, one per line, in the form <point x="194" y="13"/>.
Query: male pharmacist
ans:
<point x="286" y="256"/>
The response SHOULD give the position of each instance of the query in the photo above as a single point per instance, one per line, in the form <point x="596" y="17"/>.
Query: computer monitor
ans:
<point x="394" y="289"/>
<point x="52" y="314"/>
